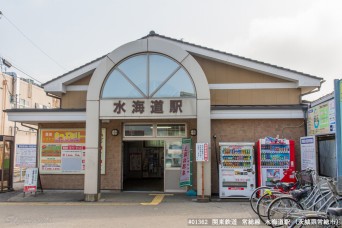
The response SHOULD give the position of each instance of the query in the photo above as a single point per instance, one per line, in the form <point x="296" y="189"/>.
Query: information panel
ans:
<point x="25" y="155"/>
<point x="308" y="152"/>
<point x="321" y="119"/>
<point x="62" y="151"/>
<point x="202" y="152"/>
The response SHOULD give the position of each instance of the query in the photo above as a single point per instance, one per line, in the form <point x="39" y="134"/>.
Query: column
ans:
<point x="92" y="176"/>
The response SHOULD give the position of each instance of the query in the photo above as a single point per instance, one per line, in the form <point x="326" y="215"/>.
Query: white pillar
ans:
<point x="92" y="161"/>
<point x="203" y="136"/>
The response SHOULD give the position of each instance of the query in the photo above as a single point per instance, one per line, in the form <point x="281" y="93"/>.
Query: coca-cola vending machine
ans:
<point x="275" y="161"/>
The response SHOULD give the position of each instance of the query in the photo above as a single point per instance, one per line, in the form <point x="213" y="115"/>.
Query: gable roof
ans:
<point x="304" y="80"/>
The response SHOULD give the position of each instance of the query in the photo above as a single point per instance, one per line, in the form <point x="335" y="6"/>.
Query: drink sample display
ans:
<point x="237" y="169"/>
<point x="275" y="158"/>
<point x="275" y="155"/>
<point x="236" y="157"/>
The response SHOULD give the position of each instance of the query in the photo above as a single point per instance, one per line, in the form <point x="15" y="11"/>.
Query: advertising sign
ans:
<point x="62" y="151"/>
<point x="321" y="119"/>
<point x="26" y="155"/>
<point x="308" y="152"/>
<point x="31" y="179"/>
<point x="186" y="169"/>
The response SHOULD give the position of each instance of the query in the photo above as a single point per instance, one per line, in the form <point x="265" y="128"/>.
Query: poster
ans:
<point x="202" y="152"/>
<point x="31" y="179"/>
<point x="186" y="164"/>
<point x="62" y="151"/>
<point x="321" y="119"/>
<point x="72" y="158"/>
<point x="308" y="152"/>
<point x="272" y="175"/>
<point x="26" y="155"/>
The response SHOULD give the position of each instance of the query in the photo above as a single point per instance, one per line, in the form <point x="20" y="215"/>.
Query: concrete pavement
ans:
<point x="120" y="209"/>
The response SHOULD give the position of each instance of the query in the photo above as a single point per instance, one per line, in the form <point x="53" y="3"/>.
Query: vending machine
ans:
<point x="236" y="170"/>
<point x="276" y="161"/>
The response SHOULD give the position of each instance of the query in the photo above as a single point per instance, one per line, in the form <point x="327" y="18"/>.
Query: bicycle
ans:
<point x="322" y="197"/>
<point x="282" y="187"/>
<point x="303" y="185"/>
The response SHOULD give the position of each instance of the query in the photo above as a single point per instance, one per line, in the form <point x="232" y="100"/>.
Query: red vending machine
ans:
<point x="275" y="161"/>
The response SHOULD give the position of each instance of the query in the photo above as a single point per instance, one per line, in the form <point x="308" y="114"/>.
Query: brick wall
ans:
<point x="251" y="131"/>
<point x="113" y="177"/>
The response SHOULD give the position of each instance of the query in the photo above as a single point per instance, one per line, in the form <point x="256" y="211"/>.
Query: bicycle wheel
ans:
<point x="335" y="203"/>
<point x="256" y="195"/>
<point x="262" y="205"/>
<point x="309" y="221"/>
<point x="280" y="208"/>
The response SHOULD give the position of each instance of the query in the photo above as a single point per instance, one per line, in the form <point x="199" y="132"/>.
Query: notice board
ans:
<point x="62" y="151"/>
<point x="26" y="155"/>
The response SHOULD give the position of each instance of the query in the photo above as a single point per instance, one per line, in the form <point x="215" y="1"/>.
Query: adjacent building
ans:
<point x="20" y="93"/>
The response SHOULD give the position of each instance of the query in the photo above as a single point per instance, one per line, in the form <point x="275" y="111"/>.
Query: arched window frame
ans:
<point x="149" y="94"/>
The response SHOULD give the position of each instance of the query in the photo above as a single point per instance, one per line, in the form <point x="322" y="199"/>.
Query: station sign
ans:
<point x="148" y="108"/>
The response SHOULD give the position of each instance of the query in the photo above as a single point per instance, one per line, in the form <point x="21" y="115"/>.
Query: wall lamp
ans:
<point x="193" y="132"/>
<point x="115" y="132"/>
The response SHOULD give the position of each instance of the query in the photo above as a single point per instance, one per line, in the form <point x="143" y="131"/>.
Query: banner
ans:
<point x="186" y="165"/>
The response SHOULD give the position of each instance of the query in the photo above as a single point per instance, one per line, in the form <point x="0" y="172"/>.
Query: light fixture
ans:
<point x="193" y="132"/>
<point x="115" y="132"/>
<point x="6" y="63"/>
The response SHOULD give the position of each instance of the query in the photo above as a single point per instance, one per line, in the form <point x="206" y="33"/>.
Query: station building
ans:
<point x="127" y="112"/>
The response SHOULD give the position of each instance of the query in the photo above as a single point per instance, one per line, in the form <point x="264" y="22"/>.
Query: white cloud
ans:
<point x="308" y="42"/>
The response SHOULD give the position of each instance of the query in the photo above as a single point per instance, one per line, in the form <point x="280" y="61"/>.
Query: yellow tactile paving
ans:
<point x="156" y="200"/>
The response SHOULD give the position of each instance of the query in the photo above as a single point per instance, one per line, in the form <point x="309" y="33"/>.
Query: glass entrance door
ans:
<point x="173" y="158"/>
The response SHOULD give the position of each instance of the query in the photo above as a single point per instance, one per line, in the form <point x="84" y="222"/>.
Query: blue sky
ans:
<point x="301" y="35"/>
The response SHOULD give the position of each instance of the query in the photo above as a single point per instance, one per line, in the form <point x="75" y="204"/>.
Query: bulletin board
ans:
<point x="62" y="151"/>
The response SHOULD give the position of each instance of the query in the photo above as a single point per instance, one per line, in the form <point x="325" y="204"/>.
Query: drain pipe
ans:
<point x="32" y="128"/>
<point x="217" y="159"/>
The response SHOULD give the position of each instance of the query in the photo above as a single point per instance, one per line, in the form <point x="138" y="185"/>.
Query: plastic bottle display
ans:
<point x="232" y="157"/>
<point x="275" y="155"/>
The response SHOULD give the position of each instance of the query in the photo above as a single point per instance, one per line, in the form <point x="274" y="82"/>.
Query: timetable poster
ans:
<point x="308" y="152"/>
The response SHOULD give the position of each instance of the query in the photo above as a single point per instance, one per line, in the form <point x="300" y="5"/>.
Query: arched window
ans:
<point x="148" y="76"/>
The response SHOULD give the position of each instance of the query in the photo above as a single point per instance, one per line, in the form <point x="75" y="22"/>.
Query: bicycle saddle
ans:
<point x="298" y="194"/>
<point x="335" y="211"/>
<point x="285" y="186"/>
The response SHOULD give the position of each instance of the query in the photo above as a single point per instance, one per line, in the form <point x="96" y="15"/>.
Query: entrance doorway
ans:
<point x="143" y="165"/>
